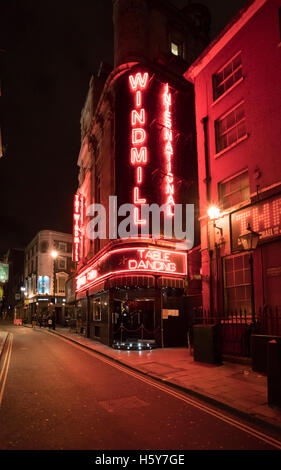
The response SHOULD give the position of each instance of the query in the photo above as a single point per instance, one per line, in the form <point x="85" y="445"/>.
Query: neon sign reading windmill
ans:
<point x="138" y="83"/>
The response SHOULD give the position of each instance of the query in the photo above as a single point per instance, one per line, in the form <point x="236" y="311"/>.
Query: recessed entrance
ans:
<point x="134" y="319"/>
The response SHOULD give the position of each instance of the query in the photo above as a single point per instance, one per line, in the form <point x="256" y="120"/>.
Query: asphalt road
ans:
<point x="56" y="395"/>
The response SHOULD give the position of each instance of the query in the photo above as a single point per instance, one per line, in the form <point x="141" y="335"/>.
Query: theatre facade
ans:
<point x="138" y="147"/>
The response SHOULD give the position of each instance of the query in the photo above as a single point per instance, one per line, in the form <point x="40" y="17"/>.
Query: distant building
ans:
<point x="237" y="97"/>
<point x="12" y="301"/>
<point x="123" y="140"/>
<point x="47" y="264"/>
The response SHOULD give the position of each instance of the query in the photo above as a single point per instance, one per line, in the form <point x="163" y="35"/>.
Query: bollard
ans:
<point x="274" y="373"/>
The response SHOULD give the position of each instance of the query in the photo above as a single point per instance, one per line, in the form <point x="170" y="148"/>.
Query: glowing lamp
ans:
<point x="249" y="239"/>
<point x="214" y="212"/>
<point x="54" y="254"/>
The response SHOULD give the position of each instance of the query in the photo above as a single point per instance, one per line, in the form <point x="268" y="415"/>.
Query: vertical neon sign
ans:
<point x="168" y="151"/>
<point x="77" y="224"/>
<point x="138" y="154"/>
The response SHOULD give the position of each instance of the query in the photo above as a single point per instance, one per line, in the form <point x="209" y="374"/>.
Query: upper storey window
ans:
<point x="175" y="48"/>
<point x="234" y="190"/>
<point x="177" y="43"/>
<point x="230" y="128"/>
<point x="227" y="76"/>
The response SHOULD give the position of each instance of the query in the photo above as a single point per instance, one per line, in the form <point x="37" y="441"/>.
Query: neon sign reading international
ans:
<point x="168" y="150"/>
<point x="138" y="154"/>
<point x="77" y="224"/>
<point x="131" y="261"/>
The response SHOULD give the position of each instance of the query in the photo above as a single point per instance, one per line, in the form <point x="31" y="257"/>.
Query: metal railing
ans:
<point x="238" y="326"/>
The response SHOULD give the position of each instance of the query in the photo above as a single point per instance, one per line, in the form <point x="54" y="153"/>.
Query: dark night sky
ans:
<point x="50" y="51"/>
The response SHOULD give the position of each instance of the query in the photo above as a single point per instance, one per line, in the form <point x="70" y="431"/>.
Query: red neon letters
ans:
<point x="77" y="224"/>
<point x="154" y="260"/>
<point x="138" y="154"/>
<point x="130" y="261"/>
<point x="168" y="150"/>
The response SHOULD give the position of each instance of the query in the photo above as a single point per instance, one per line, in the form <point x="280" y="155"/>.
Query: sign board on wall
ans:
<point x="4" y="272"/>
<point x="264" y="218"/>
<point x="78" y="211"/>
<point x="169" y="313"/>
<point x="43" y="284"/>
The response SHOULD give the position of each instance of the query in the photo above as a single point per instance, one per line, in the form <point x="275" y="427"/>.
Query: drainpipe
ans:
<point x="207" y="181"/>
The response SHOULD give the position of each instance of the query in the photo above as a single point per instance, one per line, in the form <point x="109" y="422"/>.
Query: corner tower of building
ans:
<point x="138" y="145"/>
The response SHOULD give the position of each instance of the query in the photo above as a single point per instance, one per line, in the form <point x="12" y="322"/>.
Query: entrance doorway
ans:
<point x="136" y="317"/>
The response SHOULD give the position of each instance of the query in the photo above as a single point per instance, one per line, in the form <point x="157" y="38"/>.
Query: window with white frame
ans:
<point x="237" y="274"/>
<point x="234" y="190"/>
<point x="230" y="128"/>
<point x="61" y="280"/>
<point x="227" y="76"/>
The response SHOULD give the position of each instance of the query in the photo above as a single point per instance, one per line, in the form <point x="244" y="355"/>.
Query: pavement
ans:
<point x="231" y="386"/>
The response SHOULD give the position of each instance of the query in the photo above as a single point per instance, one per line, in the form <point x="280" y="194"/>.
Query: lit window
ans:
<point x="175" y="48"/>
<point x="97" y="309"/>
<point x="230" y="128"/>
<point x="227" y="76"/>
<point x="234" y="190"/>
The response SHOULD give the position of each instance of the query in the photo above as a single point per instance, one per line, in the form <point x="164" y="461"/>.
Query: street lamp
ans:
<point x="249" y="241"/>
<point x="213" y="212"/>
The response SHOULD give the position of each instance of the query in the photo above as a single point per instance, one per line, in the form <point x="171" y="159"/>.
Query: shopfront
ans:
<point x="131" y="292"/>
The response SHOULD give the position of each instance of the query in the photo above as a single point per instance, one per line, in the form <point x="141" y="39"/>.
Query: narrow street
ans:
<point x="56" y="395"/>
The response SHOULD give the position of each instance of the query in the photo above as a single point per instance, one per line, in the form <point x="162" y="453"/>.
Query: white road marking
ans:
<point x="5" y="368"/>
<point x="181" y="396"/>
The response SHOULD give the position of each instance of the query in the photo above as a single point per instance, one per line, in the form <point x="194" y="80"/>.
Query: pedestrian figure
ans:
<point x="50" y="323"/>
<point x="40" y="320"/>
<point x="33" y="322"/>
<point x="53" y="323"/>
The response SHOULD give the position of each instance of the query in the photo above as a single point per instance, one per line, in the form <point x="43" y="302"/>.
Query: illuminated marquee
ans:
<point x="264" y="218"/>
<point x="133" y="260"/>
<point x="138" y="153"/>
<point x="77" y="224"/>
<point x="168" y="150"/>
